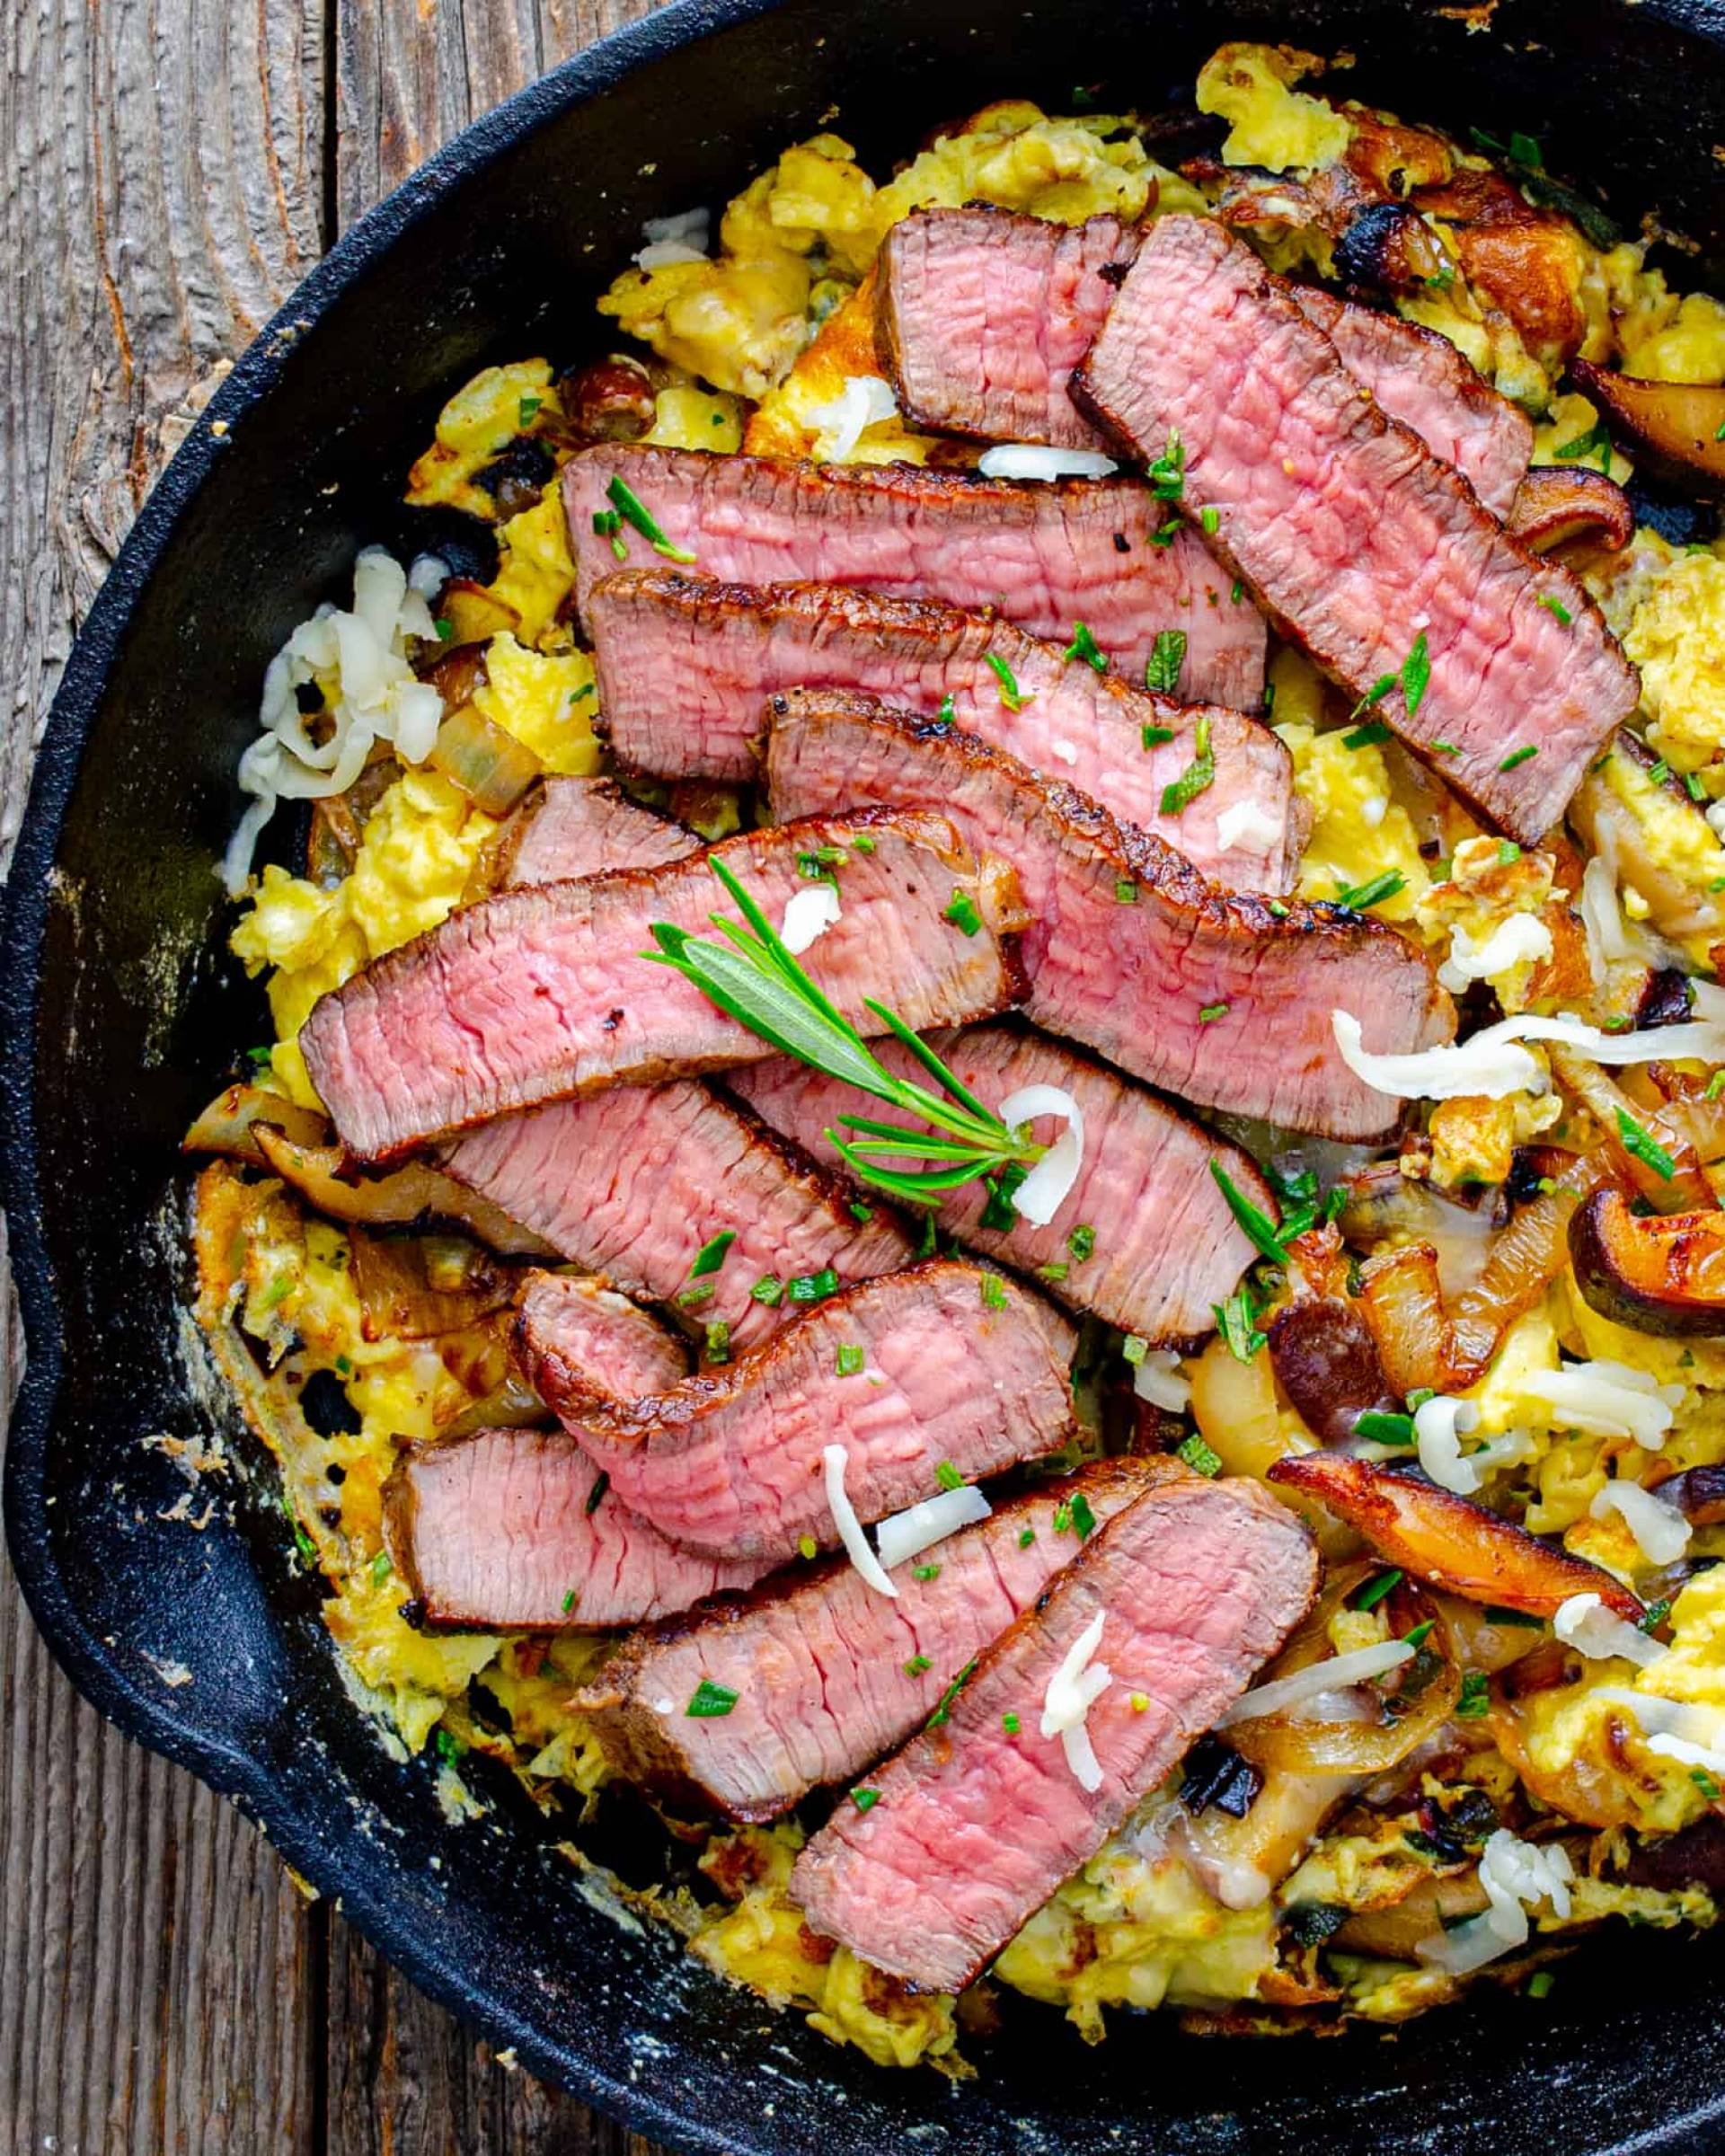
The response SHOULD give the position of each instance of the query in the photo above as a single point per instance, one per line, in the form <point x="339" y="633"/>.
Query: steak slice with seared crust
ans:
<point x="540" y="995"/>
<point x="1128" y="947"/>
<point x="1160" y="1247"/>
<point x="978" y="1820"/>
<point x="492" y="1532"/>
<point x="828" y="1673"/>
<point x="1357" y="540"/>
<point x="685" y="669"/>
<point x="634" y="1183"/>
<point x="1046" y="556"/>
<point x="957" y="1365"/>
<point x="569" y="828"/>
<point x="985" y="314"/>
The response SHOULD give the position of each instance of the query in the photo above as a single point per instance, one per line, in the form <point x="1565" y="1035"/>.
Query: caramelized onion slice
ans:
<point x="1556" y="503"/>
<point x="491" y="767"/>
<point x="1663" y="1275"/>
<point x="400" y="1199"/>
<point x="415" y="1287"/>
<point x="1456" y="1545"/>
<point x="1675" y="425"/>
<point x="229" y="1125"/>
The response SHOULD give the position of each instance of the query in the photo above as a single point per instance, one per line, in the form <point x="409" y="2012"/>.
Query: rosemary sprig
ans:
<point x="753" y="977"/>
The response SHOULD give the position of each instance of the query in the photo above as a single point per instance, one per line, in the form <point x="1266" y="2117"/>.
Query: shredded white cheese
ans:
<point x="808" y="914"/>
<point x="864" y="401"/>
<point x="1073" y="1690"/>
<point x="1516" y="1876"/>
<point x="1513" y="942"/>
<point x="1689" y="1735"/>
<point x="850" y="1528"/>
<point x="1438" y="1424"/>
<point x="1661" y="1533"/>
<point x="1030" y="460"/>
<point x="1066" y="750"/>
<point x="1602" y="918"/>
<point x="1358" y="1667"/>
<point x="687" y="238"/>
<point x="1605" y="1399"/>
<point x="907" y="1534"/>
<point x="1245" y="824"/>
<point x="376" y="697"/>
<point x="1585" y="1624"/>
<point x="1044" y="1190"/>
<point x="1494" y="1064"/>
<point x="1158" y="1379"/>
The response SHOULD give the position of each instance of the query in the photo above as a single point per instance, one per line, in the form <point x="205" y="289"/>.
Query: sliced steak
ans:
<point x="636" y="1182"/>
<point x="569" y="828"/>
<point x="829" y="1674"/>
<point x="1419" y="377"/>
<point x="984" y="314"/>
<point x="1160" y="1248"/>
<point x="685" y="669"/>
<point x="539" y="994"/>
<point x="978" y="1820"/>
<point x="956" y="1365"/>
<point x="1353" y="536"/>
<point x="1129" y="951"/>
<point x="1045" y="556"/>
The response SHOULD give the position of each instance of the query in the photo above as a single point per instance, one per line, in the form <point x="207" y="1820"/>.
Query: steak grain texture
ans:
<point x="1356" y="539"/>
<point x="986" y="314"/>
<point x="569" y="828"/>
<point x="1196" y="1582"/>
<point x="1163" y="1247"/>
<point x="829" y="1674"/>
<point x="544" y="994"/>
<point x="686" y="668"/>
<point x="731" y="1462"/>
<point x="635" y="1181"/>
<point x="1128" y="945"/>
<point x="1046" y="556"/>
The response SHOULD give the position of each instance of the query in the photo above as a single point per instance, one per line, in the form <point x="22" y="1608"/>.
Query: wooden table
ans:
<point x="169" y="171"/>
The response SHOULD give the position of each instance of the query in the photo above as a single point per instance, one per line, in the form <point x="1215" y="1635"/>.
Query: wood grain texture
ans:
<point x="172" y="168"/>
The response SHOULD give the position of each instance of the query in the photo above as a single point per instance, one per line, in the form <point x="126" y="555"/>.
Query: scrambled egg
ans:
<point x="477" y="424"/>
<point x="1677" y="637"/>
<point x="1359" y="830"/>
<point x="1271" y="123"/>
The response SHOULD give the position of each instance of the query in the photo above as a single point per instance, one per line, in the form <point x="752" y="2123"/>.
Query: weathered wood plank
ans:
<point x="165" y="166"/>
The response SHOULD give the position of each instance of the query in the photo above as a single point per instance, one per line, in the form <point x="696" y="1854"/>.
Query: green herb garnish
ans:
<point x="768" y="1290"/>
<point x="1642" y="1146"/>
<point x="1475" y="1696"/>
<point x="1374" y="1590"/>
<point x="813" y="1287"/>
<point x="1199" y="1456"/>
<point x="628" y="506"/>
<point x="1083" y="646"/>
<point x="710" y="1702"/>
<point x="596" y="1496"/>
<point x="1153" y="736"/>
<point x="947" y="1476"/>
<point x="1209" y="1012"/>
<point x="1385" y="1429"/>
<point x="719" y="1341"/>
<point x="1081" y="1242"/>
<point x="1199" y="774"/>
<point x="993" y="1291"/>
<point x="865" y="1801"/>
<point x="1010" y="694"/>
<point x="1555" y="607"/>
<point x="1167" y="475"/>
<point x="1524" y="754"/>
<point x="960" y="910"/>
<point x="1369" y="735"/>
<point x="710" y="1256"/>
<point x="1373" y="891"/>
<point x="1167" y="657"/>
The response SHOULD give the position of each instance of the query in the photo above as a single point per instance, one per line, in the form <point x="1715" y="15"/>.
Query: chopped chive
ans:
<point x="1083" y="646"/>
<point x="1139" y="1702"/>
<point x="1277" y="910"/>
<point x="1236" y="1320"/>
<point x="1260" y="1230"/>
<point x="596" y="1496"/>
<point x="1642" y="1146"/>
<point x="1134" y="1347"/>
<point x="1378" y="691"/>
<point x="1418" y="1637"/>
<point x="1367" y="735"/>
<point x="1373" y="891"/>
<point x="1555" y="607"/>
<point x="950" y="1694"/>
<point x="1596" y="442"/>
<point x="1084" y="1519"/>
<point x="1507" y="850"/>
<point x="808" y="1547"/>
<point x="1374" y="1590"/>
<point x="569" y="1602"/>
<point x="961" y="911"/>
<point x="1524" y="754"/>
<point x="692" y="1297"/>
<point x="813" y="1287"/>
<point x="1474" y="1699"/>
<point x="768" y="1290"/>
<point x="710" y="1256"/>
<point x="865" y="1801"/>
<point x="527" y="407"/>
<point x="1167" y="475"/>
<point x="1199" y="1456"/>
<point x="719" y="1341"/>
<point x="1237" y="593"/>
<point x="948" y="714"/>
<point x="925" y="1571"/>
<point x="1715" y="1086"/>
<point x="862" y="843"/>
<point x="859" y="1211"/>
<point x="1026" y="1536"/>
<point x="1125" y="891"/>
<point x="1211" y="518"/>
<point x="1496" y="1614"/>
<point x="918" y="1666"/>
<point x="1082" y="1241"/>
<point x="1199" y="774"/>
<point x="1063" y="1518"/>
<point x="1385" y="1429"/>
<point x="947" y="1476"/>
<point x="1539" y="1985"/>
<point x="1706" y="1783"/>
<point x="710" y="1702"/>
<point x="1415" y="675"/>
<point x="1211" y="1013"/>
<point x="1009" y="1723"/>
<point x="1153" y="736"/>
<point x="1692" y="786"/>
<point x="1054" y="1273"/>
<point x="630" y="506"/>
<point x="1167" y="656"/>
<point x="1659" y="772"/>
<point x="1010" y="694"/>
<point x="849" y="1360"/>
<point x="1446" y="748"/>
<point x="381" y="1569"/>
<point x="445" y="628"/>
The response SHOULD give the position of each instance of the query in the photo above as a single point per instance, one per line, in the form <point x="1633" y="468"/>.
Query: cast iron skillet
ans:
<point x="120" y="1013"/>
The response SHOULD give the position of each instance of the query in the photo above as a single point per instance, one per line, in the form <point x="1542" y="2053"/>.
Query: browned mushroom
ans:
<point x="1449" y="1540"/>
<point x="1604" y="816"/>
<point x="1675" y="425"/>
<point x="1556" y="503"/>
<point x="609" y="399"/>
<point x="229" y="1125"/>
<point x="1698" y="1493"/>
<point x="415" y="1288"/>
<point x="397" y="1200"/>
<point x="1325" y="1362"/>
<point x="1665" y="1274"/>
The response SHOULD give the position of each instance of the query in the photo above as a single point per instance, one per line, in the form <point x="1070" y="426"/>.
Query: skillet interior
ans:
<point x="120" y="1014"/>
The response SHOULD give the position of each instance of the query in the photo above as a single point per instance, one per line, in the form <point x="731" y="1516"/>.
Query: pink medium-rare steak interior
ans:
<point x="828" y="1673"/>
<point x="1159" y="1248"/>
<point x="1127" y="946"/>
<point x="539" y="994"/>
<point x="942" y="1363"/>
<point x="1046" y="556"/>
<point x="686" y="671"/>
<point x="569" y="828"/>
<point x="1357" y="540"/>
<point x="978" y="1821"/>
